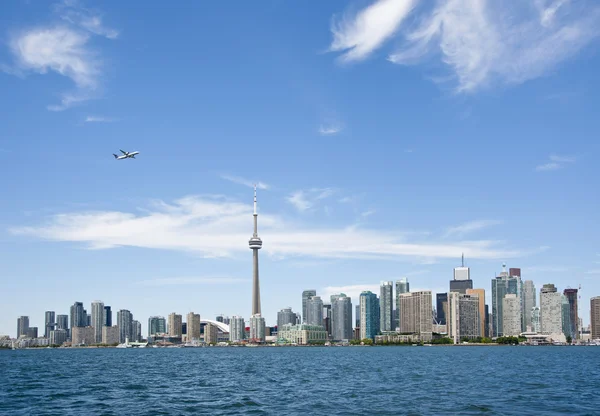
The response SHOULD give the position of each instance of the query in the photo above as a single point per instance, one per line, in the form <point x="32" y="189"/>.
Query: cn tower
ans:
<point x="255" y="245"/>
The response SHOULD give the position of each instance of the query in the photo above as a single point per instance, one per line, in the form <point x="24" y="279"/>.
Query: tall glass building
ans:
<point x="341" y="317"/>
<point x="386" y="306"/>
<point x="306" y="295"/>
<point x="315" y="311"/>
<point x="369" y="315"/>
<point x="157" y="325"/>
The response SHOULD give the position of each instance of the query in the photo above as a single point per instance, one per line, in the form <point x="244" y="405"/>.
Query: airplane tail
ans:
<point x="116" y="157"/>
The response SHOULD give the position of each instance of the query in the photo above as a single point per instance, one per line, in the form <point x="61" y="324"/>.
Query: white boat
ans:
<point x="128" y="344"/>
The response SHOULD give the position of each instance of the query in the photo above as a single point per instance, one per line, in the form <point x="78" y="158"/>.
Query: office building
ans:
<point x="88" y="320"/>
<point x="415" y="314"/>
<point x="341" y="317"/>
<point x="193" y="326"/>
<point x="315" y="311"/>
<point x="78" y="316"/>
<point x="257" y="328"/>
<point x="302" y="334"/>
<point x="386" y="306"/>
<point x="402" y="286"/>
<point x="511" y="317"/>
<point x="175" y="327"/>
<point x="453" y="318"/>
<point x="528" y="301"/>
<point x="22" y="326"/>
<point x="595" y="317"/>
<point x="255" y="244"/>
<point x="210" y="334"/>
<point x="58" y="337"/>
<point x="124" y="322"/>
<point x="97" y="320"/>
<point x="237" y="329"/>
<point x="107" y="316"/>
<point x="136" y="331"/>
<point x="441" y="307"/>
<point x="502" y="285"/>
<point x="82" y="335"/>
<point x="157" y="325"/>
<point x="306" y="295"/>
<point x="327" y="318"/>
<point x="462" y="279"/>
<point x="469" y="316"/>
<point x="487" y="331"/>
<point x="62" y="322"/>
<point x="110" y="335"/>
<point x="481" y="297"/>
<point x="571" y="295"/>
<point x="536" y="325"/>
<point x="566" y="317"/>
<point x="357" y="316"/>
<point x="369" y="315"/>
<point x="286" y="316"/>
<point x="550" y="310"/>
<point x="49" y="323"/>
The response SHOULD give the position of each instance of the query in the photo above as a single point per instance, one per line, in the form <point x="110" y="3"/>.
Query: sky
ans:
<point x="386" y="139"/>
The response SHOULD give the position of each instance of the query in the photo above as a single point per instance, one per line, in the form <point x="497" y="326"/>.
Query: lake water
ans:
<point x="294" y="381"/>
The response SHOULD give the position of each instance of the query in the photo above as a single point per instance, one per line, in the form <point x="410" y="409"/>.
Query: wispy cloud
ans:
<point x="597" y="271"/>
<point x="367" y="213"/>
<point x="73" y="12"/>
<point x="329" y="130"/>
<point x="99" y="119"/>
<point x="482" y="42"/>
<point x="216" y="228"/>
<point x="188" y="281"/>
<point x="556" y="162"/>
<point x="246" y="182"/>
<point x="469" y="227"/>
<point x="305" y="200"/>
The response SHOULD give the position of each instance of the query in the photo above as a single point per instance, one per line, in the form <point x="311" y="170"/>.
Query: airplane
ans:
<point x="126" y="155"/>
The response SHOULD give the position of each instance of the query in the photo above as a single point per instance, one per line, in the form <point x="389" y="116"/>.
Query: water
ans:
<point x="300" y="381"/>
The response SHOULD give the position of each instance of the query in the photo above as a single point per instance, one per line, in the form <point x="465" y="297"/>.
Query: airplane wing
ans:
<point x="123" y="151"/>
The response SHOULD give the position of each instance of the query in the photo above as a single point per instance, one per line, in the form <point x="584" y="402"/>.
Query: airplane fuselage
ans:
<point x="126" y="155"/>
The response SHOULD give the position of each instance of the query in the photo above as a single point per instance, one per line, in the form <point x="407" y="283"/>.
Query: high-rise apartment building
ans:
<point x="58" y="337"/>
<point x="49" y="323"/>
<point x="97" y="320"/>
<point x="441" y="307"/>
<point x="369" y="315"/>
<point x="416" y="314"/>
<point x="237" y="329"/>
<point x="107" y="316"/>
<point x="386" y="306"/>
<point x="136" y="331"/>
<point x="315" y="311"/>
<point x="550" y="310"/>
<point x="193" y="326"/>
<point x="341" y="317"/>
<point x="481" y="299"/>
<point x="595" y="317"/>
<point x="210" y="334"/>
<point x="469" y="316"/>
<point x="502" y="285"/>
<point x="157" y="325"/>
<point x="257" y="328"/>
<point x="511" y="317"/>
<point x="306" y="295"/>
<point x="110" y="335"/>
<point x="357" y="316"/>
<point x="402" y="286"/>
<point x="82" y="335"/>
<point x="62" y="322"/>
<point x="78" y="315"/>
<point x="22" y="326"/>
<point x="175" y="328"/>
<point x="286" y="316"/>
<point x="536" y="325"/>
<point x="528" y="302"/>
<point x="566" y="317"/>
<point x="327" y="318"/>
<point x="124" y="322"/>
<point x="453" y="317"/>
<point x="571" y="295"/>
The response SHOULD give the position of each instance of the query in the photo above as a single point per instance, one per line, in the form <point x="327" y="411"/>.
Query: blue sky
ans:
<point x="388" y="138"/>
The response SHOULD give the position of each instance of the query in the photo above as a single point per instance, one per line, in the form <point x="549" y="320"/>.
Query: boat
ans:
<point x="128" y="344"/>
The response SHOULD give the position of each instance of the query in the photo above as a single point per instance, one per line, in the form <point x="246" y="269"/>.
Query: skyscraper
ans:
<point x="97" y="320"/>
<point x="501" y="285"/>
<point x="550" y="310"/>
<point x="415" y="314"/>
<point x="529" y="301"/>
<point x="481" y="299"/>
<point x="237" y="329"/>
<point x="175" y="325"/>
<point x="453" y="317"/>
<point x="49" y="323"/>
<point x="571" y="295"/>
<point x="22" y="326"/>
<point x="124" y="322"/>
<point x="157" y="325"/>
<point x="107" y="316"/>
<point x="369" y="315"/>
<point x="386" y="306"/>
<point x="306" y="295"/>
<point x="62" y="322"/>
<point x="315" y="311"/>
<point x="136" y="331"/>
<point x="257" y="328"/>
<point x="255" y="245"/>
<point x="469" y="316"/>
<point x="286" y="316"/>
<point x="462" y="279"/>
<point x="402" y="286"/>
<point x="78" y="315"/>
<point x="193" y="326"/>
<point x="595" y="317"/>
<point x="511" y="315"/>
<point x="536" y="325"/>
<point x="566" y="317"/>
<point x="327" y="318"/>
<point x="441" y="307"/>
<point x="341" y="317"/>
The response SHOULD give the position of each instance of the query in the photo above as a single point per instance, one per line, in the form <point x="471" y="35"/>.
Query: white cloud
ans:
<point x="360" y="35"/>
<point x="298" y="200"/>
<point x="187" y="281"/>
<point x="72" y="12"/>
<point x="470" y="227"/>
<point x="306" y="200"/>
<point x="548" y="166"/>
<point x="556" y="162"/>
<point x="562" y="159"/>
<point x="329" y="130"/>
<point x="246" y="182"/>
<point x="99" y="119"/>
<point x="367" y="213"/>
<point x="481" y="41"/>
<point x="214" y="227"/>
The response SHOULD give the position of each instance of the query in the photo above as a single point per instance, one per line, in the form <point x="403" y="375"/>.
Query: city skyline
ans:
<point x="371" y="166"/>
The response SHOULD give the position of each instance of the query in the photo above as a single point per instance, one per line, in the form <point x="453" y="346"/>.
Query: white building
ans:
<point x="257" y="328"/>
<point x="551" y="311"/>
<point x="237" y="329"/>
<point x="97" y="320"/>
<point x="302" y="334"/>
<point x="453" y="317"/>
<point x="511" y="315"/>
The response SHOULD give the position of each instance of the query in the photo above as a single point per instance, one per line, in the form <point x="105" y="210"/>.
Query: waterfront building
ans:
<point x="306" y="295"/>
<point x="58" y="336"/>
<point x="571" y="295"/>
<point x="49" y="322"/>
<point x="415" y="313"/>
<point x="386" y="306"/>
<point x="286" y="316"/>
<point x="341" y="317"/>
<point x="462" y="279"/>
<point x="502" y="285"/>
<point x="136" y="331"/>
<point x="62" y="322"/>
<point x="595" y="317"/>
<point x="210" y="334"/>
<point x="193" y="326"/>
<point x="453" y="317"/>
<point x="402" y="286"/>
<point x="315" y="311"/>
<point x="82" y="335"/>
<point x="32" y="332"/>
<point x="22" y="326"/>
<point x="97" y="320"/>
<point x="110" y="335"/>
<point x="237" y="329"/>
<point x="107" y="316"/>
<point x="302" y="334"/>
<point x="469" y="316"/>
<point x="550" y="310"/>
<point x="441" y="307"/>
<point x="88" y="319"/>
<point x="511" y="318"/>
<point x="528" y="302"/>
<point x="124" y="322"/>
<point x="257" y="328"/>
<point x="486" y="332"/>
<point x="536" y="325"/>
<point x="327" y="318"/>
<point x="566" y="317"/>
<point x="481" y="299"/>
<point x="369" y="315"/>
<point x="357" y="316"/>
<point x="175" y="326"/>
<point x="78" y="316"/>
<point x="157" y="325"/>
